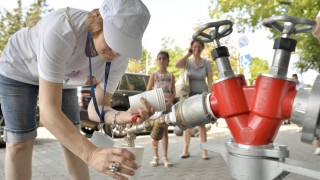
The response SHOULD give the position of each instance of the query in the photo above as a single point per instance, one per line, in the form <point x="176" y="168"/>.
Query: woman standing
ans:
<point x="52" y="58"/>
<point x="199" y="70"/>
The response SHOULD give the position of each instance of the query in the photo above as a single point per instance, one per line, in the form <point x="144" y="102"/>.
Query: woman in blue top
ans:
<point x="199" y="70"/>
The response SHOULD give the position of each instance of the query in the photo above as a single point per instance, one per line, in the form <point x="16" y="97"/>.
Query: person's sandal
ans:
<point x="166" y="162"/>
<point x="154" y="162"/>
<point x="185" y="155"/>
<point x="205" y="157"/>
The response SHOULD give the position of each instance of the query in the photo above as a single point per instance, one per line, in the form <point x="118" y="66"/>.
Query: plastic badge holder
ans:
<point x="101" y="140"/>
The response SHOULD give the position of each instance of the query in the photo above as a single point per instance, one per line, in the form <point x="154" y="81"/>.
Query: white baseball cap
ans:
<point x="124" y="22"/>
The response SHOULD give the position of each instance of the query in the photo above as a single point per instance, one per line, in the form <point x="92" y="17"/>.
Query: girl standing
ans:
<point x="165" y="80"/>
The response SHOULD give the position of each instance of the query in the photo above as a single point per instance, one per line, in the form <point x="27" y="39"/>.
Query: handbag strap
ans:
<point x="186" y="67"/>
<point x="65" y="12"/>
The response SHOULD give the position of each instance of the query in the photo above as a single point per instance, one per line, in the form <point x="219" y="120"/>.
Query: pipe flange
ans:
<point x="208" y="111"/>
<point x="277" y="77"/>
<point x="226" y="78"/>
<point x="311" y="120"/>
<point x="299" y="106"/>
<point x="208" y="107"/>
<point x="271" y="150"/>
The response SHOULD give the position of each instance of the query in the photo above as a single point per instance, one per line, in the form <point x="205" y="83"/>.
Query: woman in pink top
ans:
<point x="165" y="80"/>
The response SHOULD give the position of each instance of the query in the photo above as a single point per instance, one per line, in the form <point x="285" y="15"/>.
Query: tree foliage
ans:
<point x="139" y="65"/>
<point x="248" y="15"/>
<point x="12" y="21"/>
<point x="258" y="66"/>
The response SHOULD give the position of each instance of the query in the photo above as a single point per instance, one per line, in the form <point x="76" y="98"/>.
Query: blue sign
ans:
<point x="245" y="61"/>
<point x="243" y="41"/>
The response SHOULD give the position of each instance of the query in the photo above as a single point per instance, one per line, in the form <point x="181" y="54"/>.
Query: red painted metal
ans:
<point x="230" y="97"/>
<point x="254" y="114"/>
<point x="287" y="103"/>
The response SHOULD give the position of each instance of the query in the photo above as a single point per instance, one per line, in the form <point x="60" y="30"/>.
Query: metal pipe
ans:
<point x="187" y="113"/>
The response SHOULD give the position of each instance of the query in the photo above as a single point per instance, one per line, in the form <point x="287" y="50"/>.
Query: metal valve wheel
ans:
<point x="290" y="24"/>
<point x="200" y="35"/>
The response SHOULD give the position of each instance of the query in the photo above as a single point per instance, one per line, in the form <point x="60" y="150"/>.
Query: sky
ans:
<point x="177" y="19"/>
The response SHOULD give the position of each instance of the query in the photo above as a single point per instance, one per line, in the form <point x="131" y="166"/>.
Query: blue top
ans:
<point x="197" y="76"/>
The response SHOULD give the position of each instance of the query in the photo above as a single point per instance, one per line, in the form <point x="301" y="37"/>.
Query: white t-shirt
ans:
<point x="54" y="52"/>
<point x="300" y="85"/>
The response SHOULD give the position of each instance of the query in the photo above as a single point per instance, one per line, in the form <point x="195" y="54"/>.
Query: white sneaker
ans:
<point x="317" y="151"/>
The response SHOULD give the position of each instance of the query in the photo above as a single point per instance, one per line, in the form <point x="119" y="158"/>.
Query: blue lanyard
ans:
<point x="107" y="69"/>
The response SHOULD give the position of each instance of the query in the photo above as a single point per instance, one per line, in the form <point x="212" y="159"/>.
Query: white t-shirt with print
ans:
<point x="54" y="52"/>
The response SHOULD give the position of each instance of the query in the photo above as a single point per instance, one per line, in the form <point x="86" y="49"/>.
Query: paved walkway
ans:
<point x="48" y="160"/>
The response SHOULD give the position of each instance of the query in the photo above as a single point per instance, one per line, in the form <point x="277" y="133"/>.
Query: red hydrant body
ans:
<point x="254" y="114"/>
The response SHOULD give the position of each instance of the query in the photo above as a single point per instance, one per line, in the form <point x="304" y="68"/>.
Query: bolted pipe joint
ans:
<point x="187" y="113"/>
<point x="306" y="112"/>
<point x="191" y="112"/>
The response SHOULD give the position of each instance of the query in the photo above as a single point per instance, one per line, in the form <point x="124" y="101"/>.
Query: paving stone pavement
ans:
<point x="48" y="163"/>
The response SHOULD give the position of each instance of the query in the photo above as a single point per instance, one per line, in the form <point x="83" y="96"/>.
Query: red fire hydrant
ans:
<point x="254" y="114"/>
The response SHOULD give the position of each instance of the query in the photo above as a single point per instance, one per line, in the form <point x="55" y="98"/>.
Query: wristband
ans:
<point x="115" y="118"/>
<point x="318" y="14"/>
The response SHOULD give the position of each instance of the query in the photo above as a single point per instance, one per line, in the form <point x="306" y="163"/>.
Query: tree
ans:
<point x="175" y="53"/>
<point x="139" y="65"/>
<point x="258" y="66"/>
<point x="12" y="21"/>
<point x="248" y="15"/>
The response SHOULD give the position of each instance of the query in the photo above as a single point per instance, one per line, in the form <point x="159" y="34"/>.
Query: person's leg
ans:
<point x="155" y="151"/>
<point x="76" y="168"/>
<point x="164" y="142"/>
<point x="18" y="160"/>
<point x="18" y="105"/>
<point x="155" y="160"/>
<point x="186" y="139"/>
<point x="317" y="151"/>
<point x="203" y="138"/>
